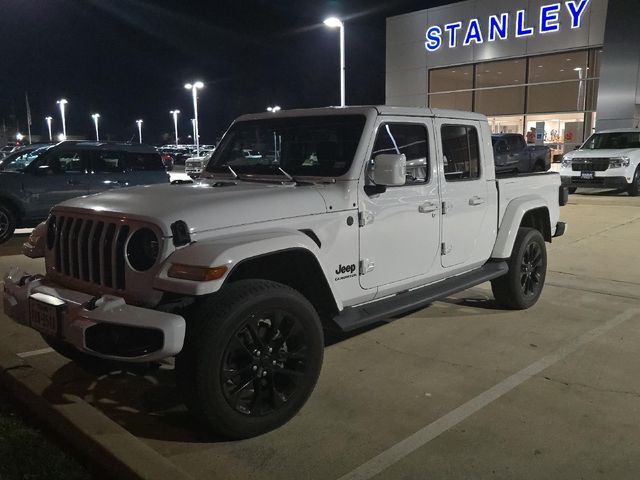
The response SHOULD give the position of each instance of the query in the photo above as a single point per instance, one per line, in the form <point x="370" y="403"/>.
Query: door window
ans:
<point x="108" y="162"/>
<point x="461" y="153"/>
<point x="143" y="162"/>
<point x="64" y="162"/>
<point x="410" y="140"/>
<point x="515" y="143"/>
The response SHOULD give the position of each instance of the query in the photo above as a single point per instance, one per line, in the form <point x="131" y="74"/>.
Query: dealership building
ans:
<point x="559" y="69"/>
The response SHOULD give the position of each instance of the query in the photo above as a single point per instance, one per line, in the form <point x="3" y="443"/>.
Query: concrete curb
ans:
<point x="104" y="443"/>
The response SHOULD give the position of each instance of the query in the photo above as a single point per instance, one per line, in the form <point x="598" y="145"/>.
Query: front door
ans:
<point x="400" y="227"/>
<point x="54" y="177"/>
<point x="465" y="194"/>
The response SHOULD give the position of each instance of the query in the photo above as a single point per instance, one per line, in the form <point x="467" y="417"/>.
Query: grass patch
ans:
<point x="25" y="453"/>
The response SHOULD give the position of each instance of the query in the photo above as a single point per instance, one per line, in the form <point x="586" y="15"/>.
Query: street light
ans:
<point x="19" y="137"/>
<point x="194" y="91"/>
<point x="139" y="122"/>
<point x="96" y="117"/>
<point x="62" y="102"/>
<point x="49" y="119"/>
<point x="193" y="127"/>
<point x="334" y="22"/>
<point x="275" y="109"/>
<point x="175" y="122"/>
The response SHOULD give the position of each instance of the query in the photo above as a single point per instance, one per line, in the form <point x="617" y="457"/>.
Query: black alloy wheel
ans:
<point x="251" y="358"/>
<point x="263" y="363"/>
<point x="531" y="269"/>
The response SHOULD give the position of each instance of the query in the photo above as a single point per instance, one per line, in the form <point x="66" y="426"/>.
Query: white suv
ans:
<point x="610" y="158"/>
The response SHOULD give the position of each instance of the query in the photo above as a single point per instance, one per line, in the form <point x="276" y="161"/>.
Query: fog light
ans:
<point x="196" y="274"/>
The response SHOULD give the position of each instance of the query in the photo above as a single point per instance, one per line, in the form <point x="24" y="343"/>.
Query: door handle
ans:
<point x="475" y="201"/>
<point x="428" y="207"/>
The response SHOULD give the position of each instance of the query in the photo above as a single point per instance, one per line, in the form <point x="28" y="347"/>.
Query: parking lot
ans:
<point x="459" y="390"/>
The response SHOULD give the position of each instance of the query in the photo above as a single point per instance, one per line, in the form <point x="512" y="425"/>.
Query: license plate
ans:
<point x="45" y="313"/>
<point x="588" y="175"/>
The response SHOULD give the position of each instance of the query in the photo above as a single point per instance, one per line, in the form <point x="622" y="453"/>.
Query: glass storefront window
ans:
<point x="501" y="74"/>
<point x="451" y="79"/>
<point x="511" y="124"/>
<point x="499" y="101"/>
<point x="562" y="132"/>
<point x="454" y="101"/>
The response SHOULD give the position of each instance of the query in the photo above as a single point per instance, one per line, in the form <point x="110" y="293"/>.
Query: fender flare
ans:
<point x="511" y="221"/>
<point x="231" y="251"/>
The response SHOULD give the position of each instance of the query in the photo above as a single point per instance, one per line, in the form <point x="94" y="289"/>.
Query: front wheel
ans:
<point x="7" y="223"/>
<point x="251" y="359"/>
<point x="634" y="188"/>
<point x="521" y="287"/>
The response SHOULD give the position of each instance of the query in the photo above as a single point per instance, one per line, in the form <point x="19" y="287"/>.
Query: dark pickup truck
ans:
<point x="513" y="155"/>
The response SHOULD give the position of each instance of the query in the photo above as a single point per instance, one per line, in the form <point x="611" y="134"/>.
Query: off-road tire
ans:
<point x="218" y="327"/>
<point x="522" y="286"/>
<point x="7" y="223"/>
<point x="634" y="188"/>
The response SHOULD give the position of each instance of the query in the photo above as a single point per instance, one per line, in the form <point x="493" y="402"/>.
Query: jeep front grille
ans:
<point x="90" y="250"/>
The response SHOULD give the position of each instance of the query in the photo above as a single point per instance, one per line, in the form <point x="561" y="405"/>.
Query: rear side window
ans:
<point x="143" y="162"/>
<point x="410" y="140"/>
<point x="515" y="143"/>
<point x="461" y="152"/>
<point x="108" y="162"/>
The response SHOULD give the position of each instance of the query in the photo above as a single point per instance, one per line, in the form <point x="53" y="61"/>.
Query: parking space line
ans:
<point x="412" y="443"/>
<point x="35" y="353"/>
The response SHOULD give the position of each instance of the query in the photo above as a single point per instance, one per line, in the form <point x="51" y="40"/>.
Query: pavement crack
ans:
<point x="591" y="387"/>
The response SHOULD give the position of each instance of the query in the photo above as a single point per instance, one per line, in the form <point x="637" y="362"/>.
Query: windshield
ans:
<point x="18" y="161"/>
<point x="616" y="140"/>
<point x="308" y="146"/>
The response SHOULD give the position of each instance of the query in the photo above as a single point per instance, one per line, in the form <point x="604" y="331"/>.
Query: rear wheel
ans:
<point x="251" y="359"/>
<point x="521" y="287"/>
<point x="634" y="188"/>
<point x="7" y="223"/>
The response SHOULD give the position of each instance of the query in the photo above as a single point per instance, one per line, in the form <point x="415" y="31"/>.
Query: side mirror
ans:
<point x="390" y="170"/>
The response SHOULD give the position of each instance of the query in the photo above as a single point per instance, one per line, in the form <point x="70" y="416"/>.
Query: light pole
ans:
<point x="49" y="119"/>
<point x="139" y="122"/>
<point x="193" y="127"/>
<point x="62" y="102"/>
<point x="194" y="91"/>
<point x="275" y="109"/>
<point x="334" y="22"/>
<point x="96" y="117"/>
<point x="175" y="122"/>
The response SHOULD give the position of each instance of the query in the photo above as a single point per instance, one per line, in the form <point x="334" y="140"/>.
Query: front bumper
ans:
<point x="595" y="182"/>
<point x="105" y="327"/>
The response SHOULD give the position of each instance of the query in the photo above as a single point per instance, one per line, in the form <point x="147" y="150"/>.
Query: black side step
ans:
<point x="352" y="318"/>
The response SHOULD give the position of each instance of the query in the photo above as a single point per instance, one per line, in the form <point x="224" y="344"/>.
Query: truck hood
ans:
<point x="609" y="153"/>
<point x="206" y="205"/>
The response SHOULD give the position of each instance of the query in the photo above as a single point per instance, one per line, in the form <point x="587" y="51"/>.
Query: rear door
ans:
<point x="400" y="227"/>
<point x="108" y="171"/>
<point x="465" y="196"/>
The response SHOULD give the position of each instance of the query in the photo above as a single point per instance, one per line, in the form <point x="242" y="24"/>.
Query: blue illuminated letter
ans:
<point x="473" y="33"/>
<point x="549" y="17"/>
<point x="521" y="29"/>
<point x="434" y="39"/>
<point x="453" y="28"/>
<point x="498" y="27"/>
<point x="576" y="11"/>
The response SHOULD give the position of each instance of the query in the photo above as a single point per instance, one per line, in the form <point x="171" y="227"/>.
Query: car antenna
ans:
<point x="291" y="179"/>
<point x="235" y="175"/>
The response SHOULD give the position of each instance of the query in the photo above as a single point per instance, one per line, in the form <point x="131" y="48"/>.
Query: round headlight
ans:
<point x="143" y="249"/>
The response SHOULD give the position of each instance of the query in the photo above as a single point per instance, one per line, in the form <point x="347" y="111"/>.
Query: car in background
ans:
<point x="23" y="154"/>
<point x="513" y="155"/>
<point x="35" y="181"/>
<point x="195" y="165"/>
<point x="167" y="161"/>
<point x="608" y="159"/>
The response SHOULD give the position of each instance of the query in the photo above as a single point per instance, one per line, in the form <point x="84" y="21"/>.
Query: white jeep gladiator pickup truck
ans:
<point x="610" y="158"/>
<point x="343" y="217"/>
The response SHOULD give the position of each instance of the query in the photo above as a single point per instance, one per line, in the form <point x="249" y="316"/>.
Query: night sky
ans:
<point x="129" y="59"/>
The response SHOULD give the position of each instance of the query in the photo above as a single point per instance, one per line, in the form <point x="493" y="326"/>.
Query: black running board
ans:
<point x="352" y="318"/>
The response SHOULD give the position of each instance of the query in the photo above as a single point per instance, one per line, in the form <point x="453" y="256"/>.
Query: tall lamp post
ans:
<point x="194" y="87"/>
<point x="175" y="114"/>
<point x="334" y="22"/>
<point x="63" y="102"/>
<point x="49" y="119"/>
<point x="139" y="122"/>
<point x="193" y="127"/>
<point x="96" y="117"/>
